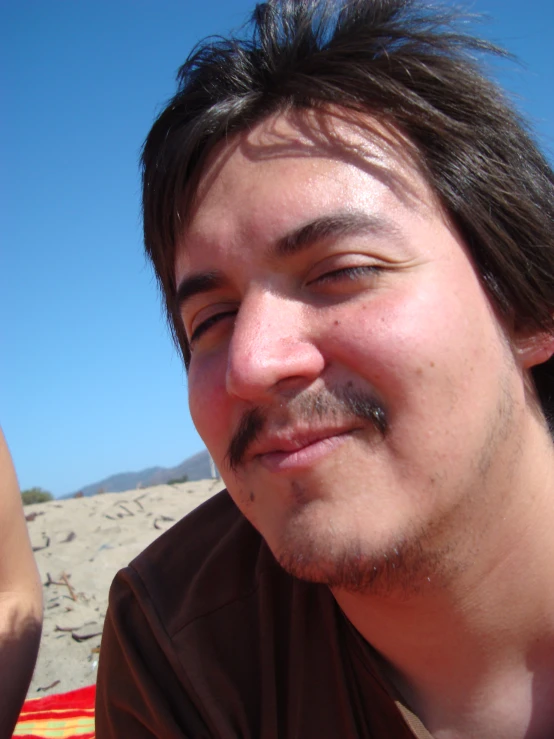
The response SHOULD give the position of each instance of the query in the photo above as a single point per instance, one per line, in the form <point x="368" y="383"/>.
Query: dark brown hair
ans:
<point x="406" y="65"/>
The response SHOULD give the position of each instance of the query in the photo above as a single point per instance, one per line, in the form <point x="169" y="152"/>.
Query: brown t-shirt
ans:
<point x="207" y="636"/>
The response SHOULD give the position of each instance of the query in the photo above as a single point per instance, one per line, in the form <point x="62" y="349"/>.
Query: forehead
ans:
<point x="295" y="166"/>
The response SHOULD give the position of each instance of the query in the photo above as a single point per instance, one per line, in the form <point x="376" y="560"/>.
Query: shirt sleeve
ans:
<point x="139" y="691"/>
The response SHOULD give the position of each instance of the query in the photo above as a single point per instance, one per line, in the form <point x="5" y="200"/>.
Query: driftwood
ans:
<point x="46" y="545"/>
<point x="137" y="501"/>
<point x="63" y="581"/>
<point x="162" y="518"/>
<point x="130" y="513"/>
<point x="84" y="637"/>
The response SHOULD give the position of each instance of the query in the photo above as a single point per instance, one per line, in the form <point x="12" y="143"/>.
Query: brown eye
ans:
<point x="208" y="323"/>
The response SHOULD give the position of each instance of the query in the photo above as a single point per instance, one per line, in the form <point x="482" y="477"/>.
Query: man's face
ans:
<point x="348" y="374"/>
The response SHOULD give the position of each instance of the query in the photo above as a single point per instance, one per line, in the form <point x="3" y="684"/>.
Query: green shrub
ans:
<point x="178" y="480"/>
<point x="35" y="495"/>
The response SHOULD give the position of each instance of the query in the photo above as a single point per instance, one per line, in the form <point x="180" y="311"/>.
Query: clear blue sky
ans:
<point x="90" y="383"/>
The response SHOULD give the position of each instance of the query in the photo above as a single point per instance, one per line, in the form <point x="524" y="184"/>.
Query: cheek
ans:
<point x="208" y="404"/>
<point x="402" y="343"/>
<point x="380" y="335"/>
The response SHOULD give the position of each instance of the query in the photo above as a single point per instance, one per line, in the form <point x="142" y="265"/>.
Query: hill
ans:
<point x="196" y="467"/>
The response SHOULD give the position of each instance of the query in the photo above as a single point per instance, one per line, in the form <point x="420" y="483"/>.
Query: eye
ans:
<point x="206" y="325"/>
<point x="346" y="273"/>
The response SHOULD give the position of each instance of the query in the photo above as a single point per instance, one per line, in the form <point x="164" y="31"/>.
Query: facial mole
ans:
<point x="337" y="323"/>
<point x="431" y="364"/>
<point x="297" y="491"/>
<point x="252" y="496"/>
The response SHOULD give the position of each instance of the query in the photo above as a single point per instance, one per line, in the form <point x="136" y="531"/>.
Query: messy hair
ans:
<point x="406" y="65"/>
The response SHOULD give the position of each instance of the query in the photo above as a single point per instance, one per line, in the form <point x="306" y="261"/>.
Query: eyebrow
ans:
<point x="196" y="284"/>
<point x="332" y="226"/>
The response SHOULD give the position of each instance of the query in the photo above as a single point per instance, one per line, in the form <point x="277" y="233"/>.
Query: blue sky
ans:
<point x="90" y="383"/>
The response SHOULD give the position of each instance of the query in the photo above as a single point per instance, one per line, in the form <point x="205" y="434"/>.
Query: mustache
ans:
<point x="342" y="402"/>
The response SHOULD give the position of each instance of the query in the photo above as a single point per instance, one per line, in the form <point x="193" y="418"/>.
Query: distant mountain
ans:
<point x="196" y="467"/>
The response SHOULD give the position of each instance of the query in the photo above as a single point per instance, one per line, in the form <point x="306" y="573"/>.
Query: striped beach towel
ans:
<point x="61" y="716"/>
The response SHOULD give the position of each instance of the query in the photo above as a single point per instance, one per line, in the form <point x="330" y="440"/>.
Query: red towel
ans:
<point x="62" y="716"/>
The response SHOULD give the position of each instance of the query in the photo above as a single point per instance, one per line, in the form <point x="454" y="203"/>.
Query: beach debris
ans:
<point x="84" y="634"/>
<point x="101" y="548"/>
<point x="46" y="539"/>
<point x="84" y="637"/>
<point x="65" y="580"/>
<point x="72" y="535"/>
<point x="52" y="602"/>
<point x="137" y="501"/>
<point x="69" y="629"/>
<point x="33" y="515"/>
<point x="62" y="581"/>
<point x="162" y="518"/>
<point x="122" y="505"/>
<point x="49" y="687"/>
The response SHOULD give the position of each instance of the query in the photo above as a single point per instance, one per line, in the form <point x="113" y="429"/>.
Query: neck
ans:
<point x="473" y="654"/>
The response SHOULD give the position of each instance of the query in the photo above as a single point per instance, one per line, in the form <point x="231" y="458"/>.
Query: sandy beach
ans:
<point x="79" y="546"/>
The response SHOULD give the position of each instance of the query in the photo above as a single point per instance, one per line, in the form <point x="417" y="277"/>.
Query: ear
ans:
<point x="534" y="349"/>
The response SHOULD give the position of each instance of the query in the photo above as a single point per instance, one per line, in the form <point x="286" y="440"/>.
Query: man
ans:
<point x="353" y="234"/>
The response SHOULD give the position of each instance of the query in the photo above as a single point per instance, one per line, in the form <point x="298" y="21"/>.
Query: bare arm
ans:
<point x="20" y="598"/>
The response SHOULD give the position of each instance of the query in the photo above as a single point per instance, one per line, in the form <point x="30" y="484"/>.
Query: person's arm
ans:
<point x="20" y="598"/>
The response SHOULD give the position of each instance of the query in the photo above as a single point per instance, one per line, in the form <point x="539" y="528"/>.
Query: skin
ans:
<point x="371" y="416"/>
<point x="20" y="598"/>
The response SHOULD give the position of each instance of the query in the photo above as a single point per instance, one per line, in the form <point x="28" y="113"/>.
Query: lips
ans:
<point x="282" y="453"/>
<point x="312" y="418"/>
<point x="293" y="442"/>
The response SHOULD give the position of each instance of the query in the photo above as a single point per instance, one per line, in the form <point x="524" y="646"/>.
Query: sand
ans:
<point x="79" y="546"/>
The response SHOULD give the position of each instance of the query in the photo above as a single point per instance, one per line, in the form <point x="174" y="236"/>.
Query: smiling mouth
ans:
<point x="313" y="418"/>
<point x="295" y="454"/>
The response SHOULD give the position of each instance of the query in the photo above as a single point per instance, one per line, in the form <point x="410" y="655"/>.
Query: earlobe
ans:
<point x="535" y="349"/>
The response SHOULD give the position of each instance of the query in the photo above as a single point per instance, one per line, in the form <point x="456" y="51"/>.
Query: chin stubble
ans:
<point x="403" y="569"/>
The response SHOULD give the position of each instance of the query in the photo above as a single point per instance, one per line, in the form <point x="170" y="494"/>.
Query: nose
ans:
<point x="271" y="350"/>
